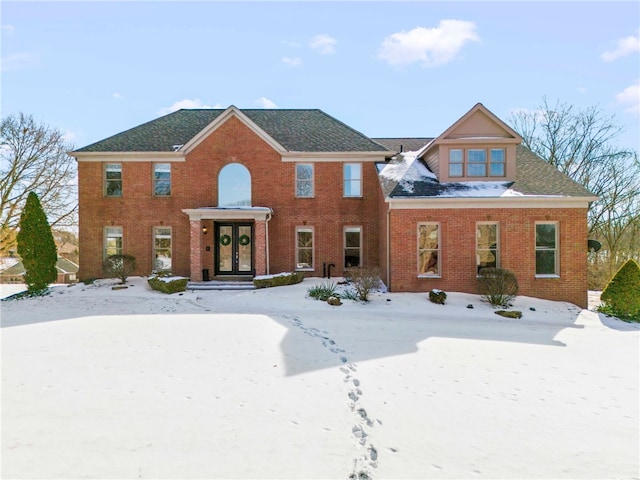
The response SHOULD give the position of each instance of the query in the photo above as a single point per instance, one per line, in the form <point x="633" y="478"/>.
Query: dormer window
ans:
<point x="477" y="162"/>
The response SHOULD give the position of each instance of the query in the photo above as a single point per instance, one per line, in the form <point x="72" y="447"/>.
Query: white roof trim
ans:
<point x="228" y="213"/>
<point x="128" y="156"/>
<point x="221" y="119"/>
<point x="491" y="203"/>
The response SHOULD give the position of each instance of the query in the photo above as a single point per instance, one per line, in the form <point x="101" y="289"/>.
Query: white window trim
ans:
<point x="155" y="180"/>
<point x="556" y="250"/>
<point x="313" y="180"/>
<point x="344" y="180"/>
<point x="344" y="243"/>
<point x="104" y="239"/>
<point x="313" y="248"/>
<point x="497" y="224"/>
<point x="439" y="250"/>
<point x="153" y="256"/>
<point x="105" y="180"/>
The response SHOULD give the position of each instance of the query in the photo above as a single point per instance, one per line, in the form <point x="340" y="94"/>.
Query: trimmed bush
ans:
<point x="168" y="284"/>
<point x="363" y="281"/>
<point x="497" y="286"/>
<point x="119" y="266"/>
<point x="279" y="280"/>
<point x="621" y="297"/>
<point x="36" y="247"/>
<point x="323" y="291"/>
<point x="437" y="296"/>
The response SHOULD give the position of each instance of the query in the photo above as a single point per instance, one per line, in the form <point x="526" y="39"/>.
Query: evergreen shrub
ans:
<point x="621" y="297"/>
<point x="168" y="284"/>
<point x="278" y="280"/>
<point x="497" y="286"/>
<point x="36" y="247"/>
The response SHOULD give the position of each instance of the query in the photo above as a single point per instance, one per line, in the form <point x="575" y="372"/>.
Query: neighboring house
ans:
<point x="236" y="193"/>
<point x="12" y="271"/>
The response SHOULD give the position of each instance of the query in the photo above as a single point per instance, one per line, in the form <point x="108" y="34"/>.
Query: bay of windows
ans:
<point x="478" y="162"/>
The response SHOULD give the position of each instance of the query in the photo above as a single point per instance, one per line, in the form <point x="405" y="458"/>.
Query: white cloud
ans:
<point x="630" y="98"/>
<point x="323" y="44"/>
<point x="8" y="29"/>
<point x="69" y="136"/>
<point x="186" y="103"/>
<point x="294" y="62"/>
<point x="626" y="46"/>
<point x="18" y="61"/>
<point x="266" y="103"/>
<point x="582" y="90"/>
<point x="117" y="96"/>
<point x="429" y="46"/>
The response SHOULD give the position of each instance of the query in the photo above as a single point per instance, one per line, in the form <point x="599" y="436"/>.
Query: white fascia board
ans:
<point x="228" y="213"/>
<point x="336" y="156"/>
<point x="490" y="203"/>
<point x="221" y="119"/>
<point x="128" y="156"/>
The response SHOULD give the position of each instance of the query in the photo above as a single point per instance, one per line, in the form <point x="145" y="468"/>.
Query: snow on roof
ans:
<point x="405" y="170"/>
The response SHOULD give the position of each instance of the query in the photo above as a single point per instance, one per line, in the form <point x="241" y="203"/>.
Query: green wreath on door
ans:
<point x="225" y="240"/>
<point x="244" y="240"/>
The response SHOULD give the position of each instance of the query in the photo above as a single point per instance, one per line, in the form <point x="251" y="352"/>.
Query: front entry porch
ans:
<point x="228" y="244"/>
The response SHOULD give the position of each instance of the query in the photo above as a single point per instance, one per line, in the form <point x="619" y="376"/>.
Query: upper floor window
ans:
<point x="487" y="251"/>
<point x="477" y="162"/>
<point x="234" y="186"/>
<point x="113" y="180"/>
<point x="352" y="180"/>
<point x="162" y="179"/>
<point x="352" y="247"/>
<point x="429" y="249"/>
<point x="304" y="248"/>
<point x="304" y="180"/>
<point x="547" y="264"/>
<point x="112" y="241"/>
<point x="162" y="249"/>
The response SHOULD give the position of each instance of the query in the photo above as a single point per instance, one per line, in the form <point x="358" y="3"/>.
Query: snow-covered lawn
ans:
<point x="127" y="384"/>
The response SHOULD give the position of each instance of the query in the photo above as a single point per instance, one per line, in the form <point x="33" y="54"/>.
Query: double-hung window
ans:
<point x="113" y="179"/>
<point x="304" y="180"/>
<point x="498" y="159"/>
<point x="477" y="162"/>
<point x="352" y="180"/>
<point x="112" y="241"/>
<point x="162" y="249"/>
<point x="487" y="245"/>
<point x="352" y="247"/>
<point x="547" y="262"/>
<point x="162" y="179"/>
<point x="304" y="248"/>
<point x="456" y="162"/>
<point x="429" y="258"/>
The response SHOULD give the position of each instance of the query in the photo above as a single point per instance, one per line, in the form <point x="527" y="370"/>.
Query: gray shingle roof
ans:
<point x="534" y="177"/>
<point x="296" y="130"/>
<point x="410" y="144"/>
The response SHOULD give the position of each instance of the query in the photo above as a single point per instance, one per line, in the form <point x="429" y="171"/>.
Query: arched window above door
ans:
<point x="234" y="186"/>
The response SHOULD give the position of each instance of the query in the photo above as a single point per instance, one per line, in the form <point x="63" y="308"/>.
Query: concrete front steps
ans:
<point x="222" y="284"/>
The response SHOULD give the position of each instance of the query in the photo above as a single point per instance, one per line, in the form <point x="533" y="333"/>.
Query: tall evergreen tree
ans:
<point x="36" y="246"/>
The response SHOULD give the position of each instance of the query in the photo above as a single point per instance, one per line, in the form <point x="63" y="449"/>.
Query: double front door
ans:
<point x="234" y="248"/>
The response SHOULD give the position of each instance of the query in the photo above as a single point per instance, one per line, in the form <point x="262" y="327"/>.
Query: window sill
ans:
<point x="429" y="276"/>
<point x="547" y="276"/>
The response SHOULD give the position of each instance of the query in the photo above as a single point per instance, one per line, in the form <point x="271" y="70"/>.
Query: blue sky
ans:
<point x="387" y="69"/>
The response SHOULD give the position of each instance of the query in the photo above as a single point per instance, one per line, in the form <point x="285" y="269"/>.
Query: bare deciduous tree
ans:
<point x="582" y="144"/>
<point x="33" y="158"/>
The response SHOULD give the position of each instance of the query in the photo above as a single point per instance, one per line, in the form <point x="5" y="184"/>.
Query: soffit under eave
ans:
<point x="230" y="112"/>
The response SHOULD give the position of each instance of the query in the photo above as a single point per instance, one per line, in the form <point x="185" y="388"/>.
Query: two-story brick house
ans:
<point x="237" y="193"/>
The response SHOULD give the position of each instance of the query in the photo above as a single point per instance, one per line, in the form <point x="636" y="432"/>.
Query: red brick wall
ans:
<point x="194" y="184"/>
<point x="517" y="250"/>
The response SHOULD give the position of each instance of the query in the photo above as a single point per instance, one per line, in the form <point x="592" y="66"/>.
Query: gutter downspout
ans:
<point x="266" y="227"/>
<point x="388" y="250"/>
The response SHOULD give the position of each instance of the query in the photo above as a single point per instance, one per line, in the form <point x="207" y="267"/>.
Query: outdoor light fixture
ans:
<point x="205" y="230"/>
